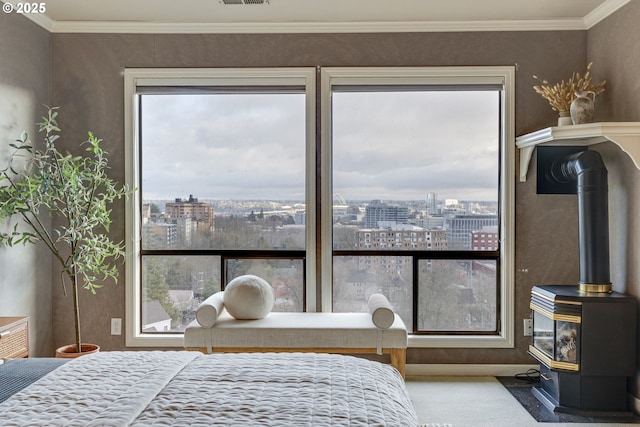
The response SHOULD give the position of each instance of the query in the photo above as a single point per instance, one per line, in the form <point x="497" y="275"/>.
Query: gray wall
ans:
<point x="25" y="281"/>
<point x="614" y="47"/>
<point x="88" y="85"/>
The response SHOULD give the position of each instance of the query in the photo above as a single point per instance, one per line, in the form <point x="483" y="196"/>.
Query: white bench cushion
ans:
<point x="297" y="330"/>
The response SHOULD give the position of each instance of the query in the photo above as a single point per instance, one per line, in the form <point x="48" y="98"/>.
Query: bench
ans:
<point x="343" y="333"/>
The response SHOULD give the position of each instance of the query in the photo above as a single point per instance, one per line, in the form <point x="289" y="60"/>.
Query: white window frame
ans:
<point x="134" y="77"/>
<point x="319" y="296"/>
<point x="371" y="76"/>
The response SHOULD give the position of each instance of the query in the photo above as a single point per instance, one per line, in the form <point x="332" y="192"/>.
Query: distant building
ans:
<point x="201" y="213"/>
<point x="485" y="240"/>
<point x="300" y="217"/>
<point x="160" y="235"/>
<point x="405" y="237"/>
<point x="154" y="317"/>
<point x="432" y="203"/>
<point x="146" y="212"/>
<point x="461" y="226"/>
<point x="377" y="212"/>
<point x="432" y="222"/>
<point x="362" y="283"/>
<point x="400" y="237"/>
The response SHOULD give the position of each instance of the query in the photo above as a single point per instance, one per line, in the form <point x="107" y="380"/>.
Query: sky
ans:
<point x="387" y="146"/>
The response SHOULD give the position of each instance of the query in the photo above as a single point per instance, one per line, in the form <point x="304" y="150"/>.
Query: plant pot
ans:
<point x="564" y="118"/>
<point x="70" y="352"/>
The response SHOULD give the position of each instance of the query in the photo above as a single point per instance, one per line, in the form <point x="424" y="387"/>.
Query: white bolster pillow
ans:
<point x="209" y="310"/>
<point x="381" y="311"/>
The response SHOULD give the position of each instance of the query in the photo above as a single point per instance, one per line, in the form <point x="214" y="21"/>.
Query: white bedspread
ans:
<point x="191" y="389"/>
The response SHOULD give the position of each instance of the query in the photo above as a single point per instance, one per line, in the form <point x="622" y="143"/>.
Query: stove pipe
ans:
<point x="590" y="174"/>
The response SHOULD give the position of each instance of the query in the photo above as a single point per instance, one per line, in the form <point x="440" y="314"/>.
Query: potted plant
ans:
<point x="561" y="95"/>
<point x="77" y="193"/>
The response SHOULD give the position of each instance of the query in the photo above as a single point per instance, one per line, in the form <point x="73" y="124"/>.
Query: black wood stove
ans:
<point x="586" y="345"/>
<point x="584" y="336"/>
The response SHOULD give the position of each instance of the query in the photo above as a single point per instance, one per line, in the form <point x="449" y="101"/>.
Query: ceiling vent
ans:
<point x="245" y="1"/>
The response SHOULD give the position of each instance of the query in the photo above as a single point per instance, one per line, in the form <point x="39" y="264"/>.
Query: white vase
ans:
<point x="583" y="107"/>
<point x="564" y="119"/>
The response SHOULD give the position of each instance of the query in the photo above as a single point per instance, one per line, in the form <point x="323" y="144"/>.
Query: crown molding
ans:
<point x="603" y="11"/>
<point x="135" y="27"/>
<point x="313" y="27"/>
<point x="42" y="20"/>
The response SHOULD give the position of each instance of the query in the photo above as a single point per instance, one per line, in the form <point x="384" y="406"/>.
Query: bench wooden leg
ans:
<point x="399" y="359"/>
<point x="200" y="349"/>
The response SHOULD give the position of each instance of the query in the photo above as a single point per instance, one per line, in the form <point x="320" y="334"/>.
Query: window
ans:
<point x="449" y="131"/>
<point x="225" y="165"/>
<point x="221" y="169"/>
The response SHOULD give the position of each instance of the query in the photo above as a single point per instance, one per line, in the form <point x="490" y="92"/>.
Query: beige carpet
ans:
<point x="471" y="402"/>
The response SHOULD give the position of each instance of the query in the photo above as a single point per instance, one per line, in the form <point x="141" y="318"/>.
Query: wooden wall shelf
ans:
<point x="626" y="135"/>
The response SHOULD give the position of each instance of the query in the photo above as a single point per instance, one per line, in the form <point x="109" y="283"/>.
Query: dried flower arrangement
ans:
<point x="562" y="94"/>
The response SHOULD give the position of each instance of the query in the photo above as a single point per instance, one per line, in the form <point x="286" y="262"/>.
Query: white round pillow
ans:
<point x="248" y="297"/>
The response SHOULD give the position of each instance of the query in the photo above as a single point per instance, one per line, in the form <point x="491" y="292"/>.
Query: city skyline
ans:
<point x="298" y="204"/>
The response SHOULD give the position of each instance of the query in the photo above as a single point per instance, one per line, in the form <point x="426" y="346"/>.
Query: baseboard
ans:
<point x="467" y="370"/>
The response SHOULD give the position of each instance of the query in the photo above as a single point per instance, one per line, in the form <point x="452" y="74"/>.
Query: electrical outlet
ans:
<point x="528" y="327"/>
<point x="116" y="326"/>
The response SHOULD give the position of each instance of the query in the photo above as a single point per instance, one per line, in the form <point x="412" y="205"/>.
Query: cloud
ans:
<point x="403" y="145"/>
<point x="223" y="146"/>
<point x="395" y="145"/>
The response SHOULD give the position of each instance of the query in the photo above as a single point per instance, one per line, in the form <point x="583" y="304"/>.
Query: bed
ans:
<point x="155" y="388"/>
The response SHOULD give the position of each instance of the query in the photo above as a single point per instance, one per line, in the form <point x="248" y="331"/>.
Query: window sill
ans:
<point x="459" y="341"/>
<point x="155" y="340"/>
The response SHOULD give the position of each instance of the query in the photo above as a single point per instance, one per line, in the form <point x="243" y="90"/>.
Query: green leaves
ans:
<point x="77" y="194"/>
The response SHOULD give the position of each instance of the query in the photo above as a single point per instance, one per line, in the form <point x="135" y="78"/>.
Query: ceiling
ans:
<point x="202" y="16"/>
